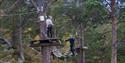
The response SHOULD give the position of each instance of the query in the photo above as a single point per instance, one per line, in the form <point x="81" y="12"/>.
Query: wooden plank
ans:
<point x="39" y="43"/>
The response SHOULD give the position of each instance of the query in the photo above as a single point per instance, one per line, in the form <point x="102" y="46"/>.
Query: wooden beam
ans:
<point x="46" y="42"/>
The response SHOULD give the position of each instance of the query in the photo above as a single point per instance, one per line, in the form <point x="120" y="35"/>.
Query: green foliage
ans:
<point x="97" y="29"/>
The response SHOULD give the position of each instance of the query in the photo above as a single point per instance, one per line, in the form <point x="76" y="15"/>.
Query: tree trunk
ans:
<point x="14" y="34"/>
<point x="114" y="32"/>
<point x="41" y="8"/>
<point x="17" y="40"/>
<point x="44" y="50"/>
<point x="114" y="42"/>
<point x="20" y="47"/>
<point x="81" y="58"/>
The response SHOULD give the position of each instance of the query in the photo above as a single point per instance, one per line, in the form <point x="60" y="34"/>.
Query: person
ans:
<point x="72" y="44"/>
<point x="49" y="25"/>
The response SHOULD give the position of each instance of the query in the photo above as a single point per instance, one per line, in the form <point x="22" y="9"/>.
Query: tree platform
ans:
<point x="45" y="42"/>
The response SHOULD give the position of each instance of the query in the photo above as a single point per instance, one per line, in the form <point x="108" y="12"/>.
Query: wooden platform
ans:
<point x="78" y="49"/>
<point x="46" y="42"/>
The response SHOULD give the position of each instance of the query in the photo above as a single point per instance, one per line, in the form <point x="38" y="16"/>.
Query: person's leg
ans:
<point x="51" y="32"/>
<point x="72" y="49"/>
<point x="47" y="31"/>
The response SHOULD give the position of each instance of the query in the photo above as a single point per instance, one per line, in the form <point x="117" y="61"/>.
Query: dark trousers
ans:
<point x="49" y="32"/>
<point x="72" y="49"/>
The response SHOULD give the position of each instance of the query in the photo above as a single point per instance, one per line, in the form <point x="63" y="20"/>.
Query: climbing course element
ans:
<point x="57" y="52"/>
<point x="46" y="42"/>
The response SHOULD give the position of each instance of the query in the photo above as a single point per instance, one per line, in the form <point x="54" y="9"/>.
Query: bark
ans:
<point x="81" y="58"/>
<point x="20" y="47"/>
<point x="81" y="39"/>
<point x="14" y="34"/>
<point x="114" y="42"/>
<point x="41" y="8"/>
<point x="114" y="32"/>
<point x="17" y="40"/>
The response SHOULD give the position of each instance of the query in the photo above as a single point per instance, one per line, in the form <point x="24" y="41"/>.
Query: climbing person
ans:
<point x="49" y="25"/>
<point x="72" y="44"/>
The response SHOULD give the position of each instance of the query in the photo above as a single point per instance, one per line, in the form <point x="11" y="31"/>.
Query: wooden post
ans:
<point x="114" y="32"/>
<point x="41" y="8"/>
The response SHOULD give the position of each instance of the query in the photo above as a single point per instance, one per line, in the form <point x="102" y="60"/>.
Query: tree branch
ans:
<point x="15" y="5"/>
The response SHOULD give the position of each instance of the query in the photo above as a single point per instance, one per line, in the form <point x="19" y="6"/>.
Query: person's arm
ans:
<point x="67" y="40"/>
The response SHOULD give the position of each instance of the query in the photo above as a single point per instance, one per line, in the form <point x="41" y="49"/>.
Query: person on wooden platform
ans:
<point x="49" y="25"/>
<point x="72" y="44"/>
